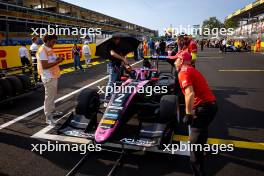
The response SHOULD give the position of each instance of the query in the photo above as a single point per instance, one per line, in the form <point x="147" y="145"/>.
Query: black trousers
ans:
<point x="199" y="133"/>
<point x="162" y="52"/>
<point x="35" y="70"/>
<point x="25" y="61"/>
<point x="224" y="48"/>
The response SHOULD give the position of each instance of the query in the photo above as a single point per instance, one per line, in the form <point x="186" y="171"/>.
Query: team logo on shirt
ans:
<point x="184" y="83"/>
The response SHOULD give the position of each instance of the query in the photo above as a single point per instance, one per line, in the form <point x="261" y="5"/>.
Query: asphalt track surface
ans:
<point x="235" y="78"/>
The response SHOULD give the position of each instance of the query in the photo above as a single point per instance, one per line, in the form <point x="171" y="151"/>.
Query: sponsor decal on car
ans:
<point x="140" y="142"/>
<point x="109" y="122"/>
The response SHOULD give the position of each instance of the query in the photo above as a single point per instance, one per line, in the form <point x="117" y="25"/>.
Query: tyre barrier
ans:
<point x="7" y="88"/>
<point x="12" y="87"/>
<point x="26" y="81"/>
<point x="16" y="84"/>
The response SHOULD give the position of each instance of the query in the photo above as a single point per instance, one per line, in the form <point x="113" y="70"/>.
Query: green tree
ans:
<point x="230" y="23"/>
<point x="210" y="24"/>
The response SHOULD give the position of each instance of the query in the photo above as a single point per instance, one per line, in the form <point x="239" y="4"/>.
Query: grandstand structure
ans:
<point x="17" y="17"/>
<point x="249" y="12"/>
<point x="251" y="20"/>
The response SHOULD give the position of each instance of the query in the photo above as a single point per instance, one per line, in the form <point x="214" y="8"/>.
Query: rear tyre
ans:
<point x="26" y="81"/>
<point x="16" y="84"/>
<point x="7" y="87"/>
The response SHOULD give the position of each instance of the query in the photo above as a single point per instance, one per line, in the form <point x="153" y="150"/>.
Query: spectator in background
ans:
<point x="202" y="44"/>
<point x="162" y="47"/>
<point x="258" y="44"/>
<point x="49" y="70"/>
<point x="10" y="42"/>
<point x="157" y="47"/>
<point x="220" y="45"/>
<point x="208" y="43"/>
<point x="169" y="50"/>
<point x="140" y="51"/>
<point x="224" y="45"/>
<point x="243" y="43"/>
<point x="24" y="57"/>
<point x="175" y="49"/>
<point x="76" y="56"/>
<point x="145" y="48"/>
<point x="33" y="50"/>
<point x="86" y="53"/>
<point x="151" y="46"/>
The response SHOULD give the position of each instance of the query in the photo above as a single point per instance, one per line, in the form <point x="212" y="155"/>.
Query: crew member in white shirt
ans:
<point x="33" y="50"/>
<point x="224" y="45"/>
<point x="24" y="57"/>
<point x="86" y="53"/>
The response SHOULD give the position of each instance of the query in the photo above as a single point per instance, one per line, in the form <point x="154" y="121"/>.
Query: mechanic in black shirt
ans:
<point x="114" y="66"/>
<point x="162" y="47"/>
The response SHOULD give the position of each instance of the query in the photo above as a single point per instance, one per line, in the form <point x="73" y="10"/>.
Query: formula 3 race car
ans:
<point x="145" y="94"/>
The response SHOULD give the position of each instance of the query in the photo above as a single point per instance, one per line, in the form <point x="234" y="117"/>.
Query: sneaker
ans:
<point x="51" y="121"/>
<point x="57" y="113"/>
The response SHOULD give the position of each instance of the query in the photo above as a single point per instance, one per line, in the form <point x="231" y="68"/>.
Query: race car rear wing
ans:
<point x="157" y="59"/>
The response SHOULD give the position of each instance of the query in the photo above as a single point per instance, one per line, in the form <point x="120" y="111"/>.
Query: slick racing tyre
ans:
<point x="26" y="81"/>
<point x="16" y="84"/>
<point x="8" y="90"/>
<point x="88" y="103"/>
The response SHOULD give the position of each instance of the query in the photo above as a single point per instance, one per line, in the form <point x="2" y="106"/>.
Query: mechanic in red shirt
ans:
<point x="200" y="107"/>
<point x="183" y="43"/>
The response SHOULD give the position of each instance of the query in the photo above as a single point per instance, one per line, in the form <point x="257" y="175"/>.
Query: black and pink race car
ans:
<point x="143" y="112"/>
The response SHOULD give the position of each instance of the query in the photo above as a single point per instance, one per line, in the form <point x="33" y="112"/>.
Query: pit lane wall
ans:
<point x="9" y="56"/>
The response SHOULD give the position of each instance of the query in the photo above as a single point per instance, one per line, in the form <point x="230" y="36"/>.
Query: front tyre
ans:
<point x="88" y="103"/>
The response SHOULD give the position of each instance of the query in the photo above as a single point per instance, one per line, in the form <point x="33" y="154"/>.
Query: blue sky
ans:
<point x="159" y="14"/>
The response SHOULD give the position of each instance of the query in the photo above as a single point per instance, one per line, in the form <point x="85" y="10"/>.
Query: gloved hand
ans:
<point x="187" y="119"/>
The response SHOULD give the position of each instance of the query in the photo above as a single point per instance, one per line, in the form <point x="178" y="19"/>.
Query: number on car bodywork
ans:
<point x="119" y="98"/>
